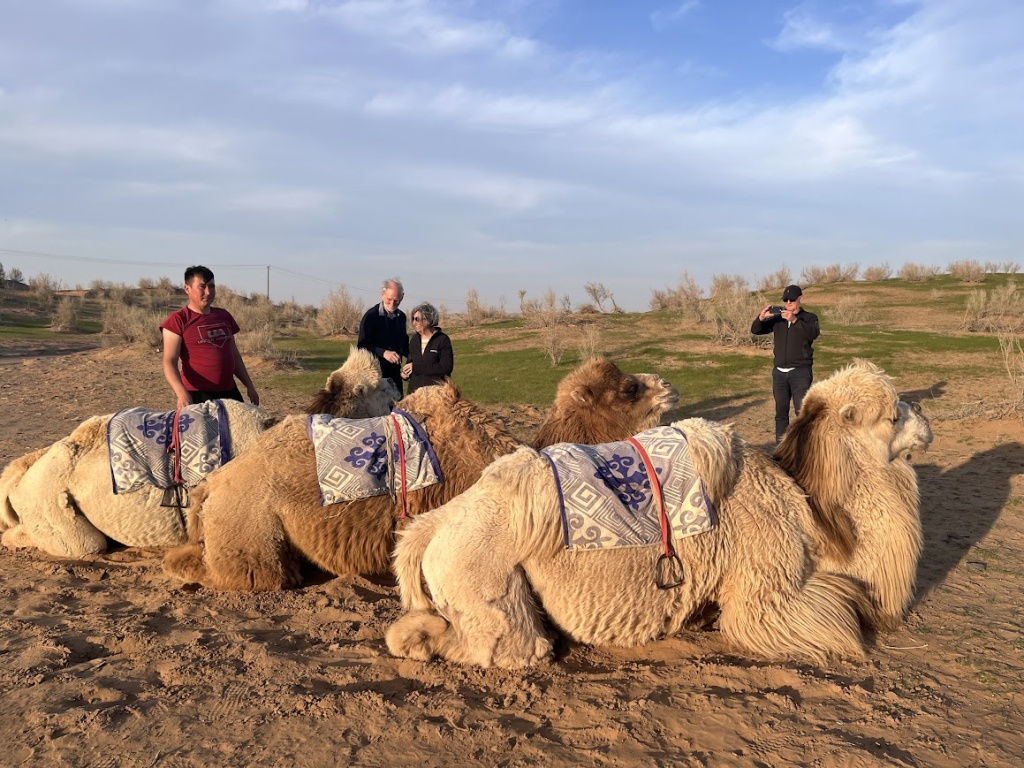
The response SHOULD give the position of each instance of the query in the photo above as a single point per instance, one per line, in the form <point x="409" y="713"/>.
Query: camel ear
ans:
<point x="849" y="414"/>
<point x="582" y="395"/>
<point x="66" y="505"/>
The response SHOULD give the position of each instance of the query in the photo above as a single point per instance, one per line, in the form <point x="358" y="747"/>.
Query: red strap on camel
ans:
<point x="175" y="447"/>
<point x="668" y="570"/>
<point x="401" y="464"/>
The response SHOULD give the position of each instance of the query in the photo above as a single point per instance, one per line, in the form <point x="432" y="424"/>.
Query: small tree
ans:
<point x="599" y="294"/>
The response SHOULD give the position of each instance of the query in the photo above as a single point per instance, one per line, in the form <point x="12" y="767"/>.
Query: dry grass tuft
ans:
<point x="877" y="273"/>
<point x="967" y="271"/>
<point x="917" y="273"/>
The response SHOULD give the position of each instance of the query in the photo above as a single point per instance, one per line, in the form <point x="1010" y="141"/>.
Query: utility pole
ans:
<point x="268" y="282"/>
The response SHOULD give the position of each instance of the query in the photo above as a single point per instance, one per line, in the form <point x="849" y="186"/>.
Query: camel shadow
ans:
<point x="959" y="507"/>
<point x="721" y="409"/>
<point x="936" y="390"/>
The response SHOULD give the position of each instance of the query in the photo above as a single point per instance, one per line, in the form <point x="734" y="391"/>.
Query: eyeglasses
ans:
<point x="417" y="319"/>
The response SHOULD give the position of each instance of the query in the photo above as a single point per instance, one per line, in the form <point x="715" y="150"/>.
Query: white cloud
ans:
<point x="666" y="16"/>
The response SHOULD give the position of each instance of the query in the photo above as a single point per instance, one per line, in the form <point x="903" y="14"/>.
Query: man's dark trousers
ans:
<point x="786" y="386"/>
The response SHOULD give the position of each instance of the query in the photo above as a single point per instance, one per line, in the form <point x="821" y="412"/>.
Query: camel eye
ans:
<point x="630" y="390"/>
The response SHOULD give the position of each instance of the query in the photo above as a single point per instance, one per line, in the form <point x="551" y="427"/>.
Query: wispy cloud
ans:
<point x="666" y="16"/>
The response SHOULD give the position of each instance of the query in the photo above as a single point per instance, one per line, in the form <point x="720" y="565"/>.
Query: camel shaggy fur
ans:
<point x="598" y="403"/>
<point x="493" y="558"/>
<point x="59" y="499"/>
<point x="262" y="514"/>
<point x="847" y="450"/>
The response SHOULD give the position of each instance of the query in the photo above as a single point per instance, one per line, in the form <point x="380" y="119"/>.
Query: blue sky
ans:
<point x="506" y="145"/>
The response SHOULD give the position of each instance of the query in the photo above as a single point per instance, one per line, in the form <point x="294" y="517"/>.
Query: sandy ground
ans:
<point x="104" y="662"/>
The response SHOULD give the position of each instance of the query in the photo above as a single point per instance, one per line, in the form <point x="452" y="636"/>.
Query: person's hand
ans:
<point x="407" y="370"/>
<point x="765" y="313"/>
<point x="254" y="396"/>
<point x="184" y="400"/>
<point x="392" y="357"/>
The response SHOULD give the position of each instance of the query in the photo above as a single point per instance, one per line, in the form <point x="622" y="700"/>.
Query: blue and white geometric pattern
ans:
<point x="139" y="444"/>
<point x="358" y="458"/>
<point x="605" y="493"/>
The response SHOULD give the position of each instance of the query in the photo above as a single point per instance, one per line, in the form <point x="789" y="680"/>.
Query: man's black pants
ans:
<point x="786" y="386"/>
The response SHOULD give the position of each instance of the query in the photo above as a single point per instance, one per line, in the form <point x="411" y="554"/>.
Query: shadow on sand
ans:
<point x="960" y="506"/>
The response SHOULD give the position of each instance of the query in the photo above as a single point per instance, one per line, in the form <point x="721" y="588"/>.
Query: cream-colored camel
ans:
<point x="262" y="514"/>
<point x="493" y="559"/>
<point x="60" y="498"/>
<point x="843" y="450"/>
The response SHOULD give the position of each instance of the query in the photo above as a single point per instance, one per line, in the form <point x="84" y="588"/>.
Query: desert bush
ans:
<point x="65" y="315"/>
<point x="586" y="309"/>
<point x="1013" y="361"/>
<point x="833" y="273"/>
<point x="43" y="287"/>
<point x="1002" y="268"/>
<point x="599" y="295"/>
<point x="687" y="298"/>
<point x="998" y="310"/>
<point x="775" y="282"/>
<point x="588" y="340"/>
<point x="146" y="284"/>
<point x="722" y="285"/>
<point x="339" y="313"/>
<point x="732" y="312"/>
<point x="916" y="273"/>
<point x="967" y="271"/>
<point x="540" y="313"/>
<point x="877" y="273"/>
<point x="14" y="275"/>
<point x="477" y="311"/>
<point x="132" y="324"/>
<point x="554" y="344"/>
<point x="121" y="294"/>
<point x="849" y="310"/>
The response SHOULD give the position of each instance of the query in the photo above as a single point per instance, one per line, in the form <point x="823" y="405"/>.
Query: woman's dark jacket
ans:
<point x="434" y="363"/>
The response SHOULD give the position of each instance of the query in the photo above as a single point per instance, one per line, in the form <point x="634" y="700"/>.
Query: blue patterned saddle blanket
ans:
<point x="605" y="494"/>
<point x="139" y="441"/>
<point x="359" y="458"/>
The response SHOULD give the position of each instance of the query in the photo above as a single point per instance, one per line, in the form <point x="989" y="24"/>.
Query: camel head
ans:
<point x="9" y="480"/>
<point x="356" y="390"/>
<point x="913" y="431"/>
<point x="846" y="422"/>
<point x="598" y="403"/>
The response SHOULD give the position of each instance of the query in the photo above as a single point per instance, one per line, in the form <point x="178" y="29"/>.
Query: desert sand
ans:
<point x="105" y="662"/>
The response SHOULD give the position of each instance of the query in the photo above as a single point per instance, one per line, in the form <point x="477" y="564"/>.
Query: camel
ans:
<point x="60" y="499"/>
<point x="598" y="403"/>
<point x="494" y="558"/>
<point x="262" y="514"/>
<point x="862" y="491"/>
<point x="475" y="574"/>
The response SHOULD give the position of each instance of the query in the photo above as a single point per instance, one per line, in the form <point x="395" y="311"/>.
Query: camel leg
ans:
<point x="60" y="530"/>
<point x="254" y="558"/>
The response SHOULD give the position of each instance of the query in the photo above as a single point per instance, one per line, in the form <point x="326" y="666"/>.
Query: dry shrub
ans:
<point x="687" y="298"/>
<point x="540" y="313"/>
<point x="833" y="273"/>
<point x="43" y="287"/>
<point x="733" y="308"/>
<point x="775" y="282"/>
<point x="132" y="325"/>
<point x="1013" y="360"/>
<point x="849" y="310"/>
<point x="554" y="344"/>
<point x="599" y="295"/>
<point x="586" y="309"/>
<point x="477" y="311"/>
<point x="967" y="271"/>
<point x="878" y="273"/>
<point x="916" y="273"/>
<point x="339" y="313"/>
<point x="65" y="316"/>
<point x="121" y="294"/>
<point x="146" y="284"/>
<point x="1002" y="267"/>
<point x="588" y="340"/>
<point x="1000" y="310"/>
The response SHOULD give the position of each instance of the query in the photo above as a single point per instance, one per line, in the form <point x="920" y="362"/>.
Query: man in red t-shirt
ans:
<point x="202" y="337"/>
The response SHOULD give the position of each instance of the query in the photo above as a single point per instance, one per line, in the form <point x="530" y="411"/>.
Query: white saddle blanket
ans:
<point x="358" y="458"/>
<point x="605" y="493"/>
<point x="139" y="443"/>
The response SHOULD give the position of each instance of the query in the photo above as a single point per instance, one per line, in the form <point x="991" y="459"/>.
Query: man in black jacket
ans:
<point x="383" y="332"/>
<point x="795" y="331"/>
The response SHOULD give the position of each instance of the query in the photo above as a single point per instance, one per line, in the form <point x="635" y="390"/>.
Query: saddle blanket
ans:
<point x="139" y="442"/>
<point x="358" y="458"/>
<point x="605" y="495"/>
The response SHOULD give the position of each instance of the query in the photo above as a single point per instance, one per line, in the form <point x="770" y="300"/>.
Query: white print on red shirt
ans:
<point x="216" y="334"/>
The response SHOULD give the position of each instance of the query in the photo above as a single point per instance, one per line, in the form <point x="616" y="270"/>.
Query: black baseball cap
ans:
<point x="792" y="293"/>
